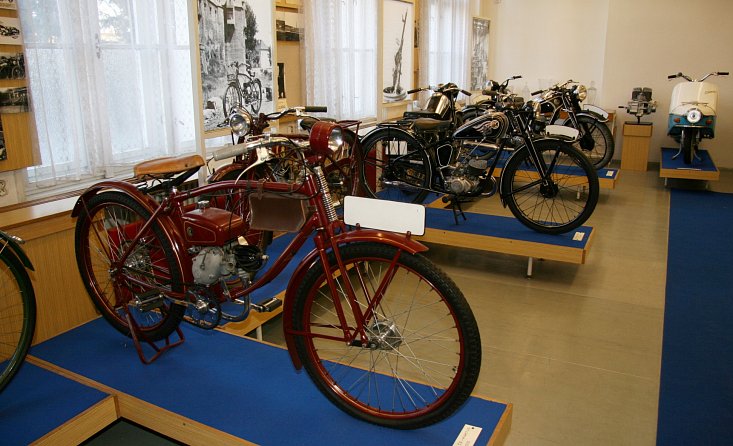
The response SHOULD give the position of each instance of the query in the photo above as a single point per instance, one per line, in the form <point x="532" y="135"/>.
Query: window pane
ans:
<point x="114" y="21"/>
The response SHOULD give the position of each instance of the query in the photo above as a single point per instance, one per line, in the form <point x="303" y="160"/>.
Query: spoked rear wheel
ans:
<point x="104" y="231"/>
<point x="422" y="353"/>
<point x="394" y="167"/>
<point x="556" y="206"/>
<point x="595" y="142"/>
<point x="17" y="315"/>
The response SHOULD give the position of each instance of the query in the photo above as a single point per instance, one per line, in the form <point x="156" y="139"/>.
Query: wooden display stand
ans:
<point x="703" y="168"/>
<point x="635" y="149"/>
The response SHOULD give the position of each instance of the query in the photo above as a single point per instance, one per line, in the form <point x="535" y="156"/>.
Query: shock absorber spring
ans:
<point x="327" y="200"/>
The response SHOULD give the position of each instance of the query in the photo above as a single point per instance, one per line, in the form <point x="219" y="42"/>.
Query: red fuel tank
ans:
<point x="211" y="226"/>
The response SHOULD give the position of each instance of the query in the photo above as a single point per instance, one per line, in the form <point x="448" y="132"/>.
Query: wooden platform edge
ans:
<point x="84" y="425"/>
<point x="689" y="173"/>
<point x="507" y="246"/>
<point x="145" y="414"/>
<point x="503" y="427"/>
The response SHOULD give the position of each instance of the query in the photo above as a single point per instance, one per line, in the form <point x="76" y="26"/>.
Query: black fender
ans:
<point x="591" y="114"/>
<point x="357" y="236"/>
<point x="12" y="243"/>
<point x="170" y="229"/>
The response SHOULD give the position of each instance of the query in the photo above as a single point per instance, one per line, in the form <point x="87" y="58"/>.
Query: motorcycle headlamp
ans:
<point x="240" y="121"/>
<point x="582" y="92"/>
<point x="326" y="137"/>
<point x="694" y="116"/>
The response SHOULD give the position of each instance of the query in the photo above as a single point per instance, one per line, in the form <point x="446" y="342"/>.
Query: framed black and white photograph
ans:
<point x="479" y="53"/>
<point x="236" y="55"/>
<point x="10" y="31"/>
<point x="14" y="100"/>
<point x="8" y="4"/>
<point x="398" y="25"/>
<point x="12" y="66"/>
<point x="288" y="26"/>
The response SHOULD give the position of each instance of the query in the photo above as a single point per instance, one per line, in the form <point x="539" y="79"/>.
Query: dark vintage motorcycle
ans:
<point x="561" y="104"/>
<point x="549" y="185"/>
<point x="149" y="263"/>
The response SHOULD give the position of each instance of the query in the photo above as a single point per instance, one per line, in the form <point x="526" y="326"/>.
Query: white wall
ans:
<point x="619" y="44"/>
<point x="647" y="40"/>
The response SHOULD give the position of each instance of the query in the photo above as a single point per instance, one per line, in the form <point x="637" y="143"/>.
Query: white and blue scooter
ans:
<point x="692" y="113"/>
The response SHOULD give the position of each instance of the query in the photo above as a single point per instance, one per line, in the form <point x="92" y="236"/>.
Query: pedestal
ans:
<point x="635" y="149"/>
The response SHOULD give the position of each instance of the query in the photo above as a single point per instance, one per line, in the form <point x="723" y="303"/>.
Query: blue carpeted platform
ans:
<point x="705" y="163"/>
<point x="38" y="401"/>
<point x="503" y="227"/>
<point x="696" y="388"/>
<point x="242" y="387"/>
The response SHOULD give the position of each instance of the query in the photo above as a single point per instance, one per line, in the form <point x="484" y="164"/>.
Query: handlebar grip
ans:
<point x="534" y="93"/>
<point x="315" y="109"/>
<point x="722" y="73"/>
<point x="467" y="93"/>
<point x="519" y="76"/>
<point x="414" y="90"/>
<point x="671" y="76"/>
<point x="230" y="151"/>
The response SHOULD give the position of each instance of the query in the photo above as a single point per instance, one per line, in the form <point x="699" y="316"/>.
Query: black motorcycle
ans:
<point x="561" y="104"/>
<point x="548" y="185"/>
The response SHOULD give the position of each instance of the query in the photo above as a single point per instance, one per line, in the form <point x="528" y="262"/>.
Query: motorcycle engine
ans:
<point x="213" y="262"/>
<point x="465" y="177"/>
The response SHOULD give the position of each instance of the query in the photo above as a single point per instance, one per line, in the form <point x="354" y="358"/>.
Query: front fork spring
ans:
<point x="327" y="200"/>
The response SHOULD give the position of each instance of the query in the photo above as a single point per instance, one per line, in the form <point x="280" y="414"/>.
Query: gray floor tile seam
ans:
<point x="577" y="364"/>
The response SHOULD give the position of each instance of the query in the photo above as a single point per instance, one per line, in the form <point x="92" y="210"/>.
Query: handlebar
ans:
<point x="689" y="79"/>
<point x="246" y="147"/>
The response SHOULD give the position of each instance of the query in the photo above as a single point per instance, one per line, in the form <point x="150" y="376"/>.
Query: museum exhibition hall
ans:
<point x="413" y="222"/>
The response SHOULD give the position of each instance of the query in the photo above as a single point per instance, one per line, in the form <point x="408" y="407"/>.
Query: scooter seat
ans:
<point x="431" y="125"/>
<point x="418" y="114"/>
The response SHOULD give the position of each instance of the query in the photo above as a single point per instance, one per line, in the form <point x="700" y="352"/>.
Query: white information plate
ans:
<point x="384" y="215"/>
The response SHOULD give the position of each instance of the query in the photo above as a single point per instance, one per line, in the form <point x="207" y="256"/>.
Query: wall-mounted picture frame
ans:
<point x="12" y="66"/>
<point x="236" y="58"/>
<point x="8" y="4"/>
<point x="10" y="31"/>
<point x="479" y="52"/>
<point x="398" y="22"/>
<point x="14" y="100"/>
<point x="288" y="26"/>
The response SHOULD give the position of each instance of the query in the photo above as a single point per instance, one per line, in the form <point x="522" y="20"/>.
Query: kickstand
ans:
<point x="457" y="209"/>
<point x="137" y="334"/>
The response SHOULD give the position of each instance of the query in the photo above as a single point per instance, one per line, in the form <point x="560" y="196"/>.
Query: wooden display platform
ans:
<point x="218" y="388"/>
<point x="44" y="408"/>
<point x="702" y="169"/>
<point x="607" y="178"/>
<point x="504" y="235"/>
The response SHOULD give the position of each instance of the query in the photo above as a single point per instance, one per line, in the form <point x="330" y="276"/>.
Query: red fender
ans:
<point x="166" y="222"/>
<point x="356" y="236"/>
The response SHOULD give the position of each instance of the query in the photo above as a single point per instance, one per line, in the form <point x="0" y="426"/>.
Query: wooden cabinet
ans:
<point x="635" y="147"/>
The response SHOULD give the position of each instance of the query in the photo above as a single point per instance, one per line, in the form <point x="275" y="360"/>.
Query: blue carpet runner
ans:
<point x="696" y="388"/>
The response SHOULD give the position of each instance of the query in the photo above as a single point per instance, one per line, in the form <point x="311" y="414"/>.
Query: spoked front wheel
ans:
<point x="107" y="227"/>
<point x="421" y="354"/>
<point x="394" y="167"/>
<point x="595" y="141"/>
<point x="563" y="200"/>
<point x="17" y="315"/>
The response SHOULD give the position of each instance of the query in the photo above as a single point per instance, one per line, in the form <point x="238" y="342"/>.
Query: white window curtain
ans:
<point x="444" y="39"/>
<point x="341" y="56"/>
<point x="110" y="84"/>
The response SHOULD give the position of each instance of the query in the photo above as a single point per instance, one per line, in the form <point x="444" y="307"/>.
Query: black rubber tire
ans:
<point x="17" y="313"/>
<point x="687" y="144"/>
<point x="154" y="258"/>
<point x="553" y="209"/>
<point x="595" y="141"/>
<point x="411" y="168"/>
<point x="433" y="327"/>
<point x="232" y="98"/>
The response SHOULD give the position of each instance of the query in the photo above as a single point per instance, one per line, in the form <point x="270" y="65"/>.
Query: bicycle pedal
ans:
<point x="267" y="306"/>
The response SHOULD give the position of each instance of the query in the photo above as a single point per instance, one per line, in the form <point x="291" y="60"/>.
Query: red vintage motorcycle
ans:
<point x="383" y="333"/>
